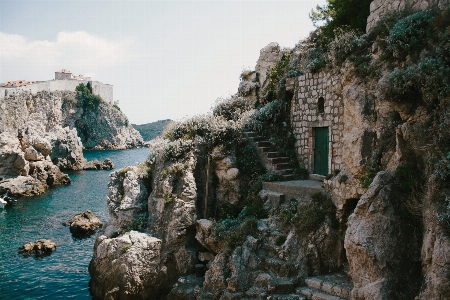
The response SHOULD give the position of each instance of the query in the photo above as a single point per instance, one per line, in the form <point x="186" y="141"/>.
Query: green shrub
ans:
<point x="116" y="107"/>
<point x="310" y="216"/>
<point x="268" y="177"/>
<point x="235" y="231"/>
<point x="409" y="34"/>
<point x="250" y="166"/>
<point x="89" y="101"/>
<point x="346" y="41"/>
<point x="232" y="108"/>
<point x="316" y="59"/>
<point x="175" y="150"/>
<point x="214" y="130"/>
<point x="428" y="81"/>
<point x="270" y="113"/>
<point x="339" y="13"/>
<point x="442" y="168"/>
<point x="277" y="74"/>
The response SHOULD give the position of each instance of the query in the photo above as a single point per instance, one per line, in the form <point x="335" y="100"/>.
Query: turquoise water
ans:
<point x="64" y="274"/>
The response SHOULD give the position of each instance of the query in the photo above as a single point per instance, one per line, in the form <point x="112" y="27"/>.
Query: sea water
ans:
<point x="64" y="274"/>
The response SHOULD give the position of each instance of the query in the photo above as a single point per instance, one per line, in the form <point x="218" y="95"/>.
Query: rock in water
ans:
<point x="84" y="223"/>
<point x="39" y="248"/>
<point x="107" y="164"/>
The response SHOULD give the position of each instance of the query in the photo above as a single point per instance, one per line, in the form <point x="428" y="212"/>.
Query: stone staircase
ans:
<point x="275" y="161"/>
<point x="335" y="286"/>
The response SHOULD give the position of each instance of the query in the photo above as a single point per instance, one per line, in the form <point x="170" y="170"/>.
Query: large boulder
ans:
<point x="126" y="267"/>
<point x="84" y="223"/>
<point x="378" y="244"/>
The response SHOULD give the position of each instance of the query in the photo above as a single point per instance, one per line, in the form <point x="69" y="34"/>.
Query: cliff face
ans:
<point x="45" y="128"/>
<point x="384" y="220"/>
<point x="104" y="127"/>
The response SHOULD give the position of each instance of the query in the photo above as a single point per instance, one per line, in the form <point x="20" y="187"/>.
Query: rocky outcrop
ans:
<point x="381" y="259"/>
<point x="103" y="128"/>
<point x="126" y="267"/>
<point x="84" y="223"/>
<point x="39" y="248"/>
<point x="107" y="164"/>
<point x="269" y="56"/>
<point x="12" y="158"/>
<point x="128" y="190"/>
<point x="45" y="175"/>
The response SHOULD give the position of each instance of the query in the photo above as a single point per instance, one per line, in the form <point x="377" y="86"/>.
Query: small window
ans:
<point x="321" y="105"/>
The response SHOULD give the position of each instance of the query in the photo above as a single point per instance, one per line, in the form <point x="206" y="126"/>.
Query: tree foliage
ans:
<point x="85" y="96"/>
<point x="341" y="13"/>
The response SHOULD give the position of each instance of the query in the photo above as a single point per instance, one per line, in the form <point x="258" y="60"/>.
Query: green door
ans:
<point x="321" y="151"/>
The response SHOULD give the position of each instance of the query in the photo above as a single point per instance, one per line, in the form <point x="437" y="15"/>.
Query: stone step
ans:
<point x="289" y="176"/>
<point x="283" y="165"/>
<point x="285" y="171"/>
<point x="286" y="297"/>
<point x="274" y="154"/>
<point x="263" y="144"/>
<point x="256" y="139"/>
<point x="250" y="134"/>
<point x="295" y="189"/>
<point x="280" y="268"/>
<point x="337" y="284"/>
<point x="267" y="149"/>
<point x="279" y="160"/>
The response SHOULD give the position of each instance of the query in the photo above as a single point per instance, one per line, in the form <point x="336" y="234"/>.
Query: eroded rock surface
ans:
<point x="126" y="267"/>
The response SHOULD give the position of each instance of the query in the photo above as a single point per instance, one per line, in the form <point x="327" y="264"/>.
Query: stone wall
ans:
<point x="307" y="90"/>
<point x="103" y="90"/>
<point x="378" y="8"/>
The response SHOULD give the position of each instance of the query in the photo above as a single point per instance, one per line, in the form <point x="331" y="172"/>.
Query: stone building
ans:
<point x="317" y="119"/>
<point x="63" y="74"/>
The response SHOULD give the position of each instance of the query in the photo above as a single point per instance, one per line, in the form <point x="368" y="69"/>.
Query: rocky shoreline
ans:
<point x="43" y="134"/>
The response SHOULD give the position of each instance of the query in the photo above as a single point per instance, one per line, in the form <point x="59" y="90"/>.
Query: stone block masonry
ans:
<point x="379" y="8"/>
<point x="105" y="91"/>
<point x="317" y="102"/>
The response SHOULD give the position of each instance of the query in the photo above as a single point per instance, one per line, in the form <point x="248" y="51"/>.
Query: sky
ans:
<point x="165" y="59"/>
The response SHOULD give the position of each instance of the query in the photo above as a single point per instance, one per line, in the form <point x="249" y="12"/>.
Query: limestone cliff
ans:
<point x="40" y="135"/>
<point x="102" y="127"/>
<point x="378" y="107"/>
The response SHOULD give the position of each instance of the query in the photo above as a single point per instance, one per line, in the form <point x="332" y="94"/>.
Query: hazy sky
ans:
<point x="166" y="59"/>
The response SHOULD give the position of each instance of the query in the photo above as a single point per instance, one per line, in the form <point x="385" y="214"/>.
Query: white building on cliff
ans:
<point x="64" y="81"/>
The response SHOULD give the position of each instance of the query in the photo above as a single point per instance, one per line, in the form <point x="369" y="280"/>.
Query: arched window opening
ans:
<point x="321" y="105"/>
